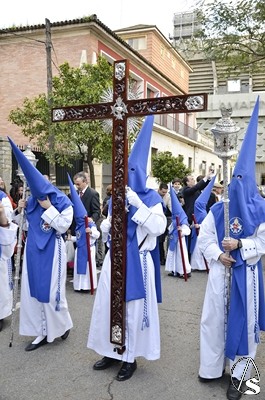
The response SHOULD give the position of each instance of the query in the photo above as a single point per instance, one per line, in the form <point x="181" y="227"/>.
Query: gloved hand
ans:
<point x="105" y="226"/>
<point x="133" y="198"/>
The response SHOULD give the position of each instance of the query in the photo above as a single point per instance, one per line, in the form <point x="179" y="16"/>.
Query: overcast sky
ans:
<point x="115" y="14"/>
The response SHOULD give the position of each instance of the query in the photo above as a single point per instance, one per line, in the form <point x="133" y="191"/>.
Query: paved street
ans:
<point x="63" y="370"/>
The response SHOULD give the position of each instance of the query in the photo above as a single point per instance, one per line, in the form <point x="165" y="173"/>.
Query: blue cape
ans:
<point x="81" y="244"/>
<point x="40" y="245"/>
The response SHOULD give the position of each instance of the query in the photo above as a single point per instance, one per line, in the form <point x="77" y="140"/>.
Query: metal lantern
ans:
<point x="225" y="146"/>
<point x="32" y="159"/>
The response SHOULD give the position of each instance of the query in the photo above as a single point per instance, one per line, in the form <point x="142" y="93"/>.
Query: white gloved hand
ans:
<point x="105" y="226"/>
<point x="133" y="198"/>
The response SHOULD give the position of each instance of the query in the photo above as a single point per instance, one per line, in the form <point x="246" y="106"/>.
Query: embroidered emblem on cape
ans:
<point x="236" y="225"/>
<point x="78" y="235"/>
<point x="45" y="227"/>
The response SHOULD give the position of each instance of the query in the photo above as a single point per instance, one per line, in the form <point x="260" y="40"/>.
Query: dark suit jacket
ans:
<point x="90" y="199"/>
<point x="190" y="194"/>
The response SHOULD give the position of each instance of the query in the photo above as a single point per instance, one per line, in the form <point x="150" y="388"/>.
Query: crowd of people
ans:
<point x="180" y="226"/>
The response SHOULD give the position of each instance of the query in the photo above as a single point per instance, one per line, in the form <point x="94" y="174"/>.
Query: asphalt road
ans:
<point x="63" y="370"/>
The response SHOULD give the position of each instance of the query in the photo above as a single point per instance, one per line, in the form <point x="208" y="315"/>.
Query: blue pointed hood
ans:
<point x="200" y="204"/>
<point x="137" y="162"/>
<point x="39" y="186"/>
<point x="246" y="203"/>
<point x="246" y="160"/>
<point x="177" y="209"/>
<point x="79" y="208"/>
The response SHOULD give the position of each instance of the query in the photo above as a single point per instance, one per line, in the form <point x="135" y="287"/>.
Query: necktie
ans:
<point x="80" y="194"/>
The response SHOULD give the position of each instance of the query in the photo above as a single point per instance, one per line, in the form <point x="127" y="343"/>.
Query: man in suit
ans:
<point x="89" y="196"/>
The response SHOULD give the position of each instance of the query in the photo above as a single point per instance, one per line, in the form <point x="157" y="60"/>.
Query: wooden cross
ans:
<point x="119" y="110"/>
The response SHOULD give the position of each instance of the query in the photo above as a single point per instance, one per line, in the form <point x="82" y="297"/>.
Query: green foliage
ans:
<point x="167" y="167"/>
<point x="83" y="140"/>
<point x="233" y="33"/>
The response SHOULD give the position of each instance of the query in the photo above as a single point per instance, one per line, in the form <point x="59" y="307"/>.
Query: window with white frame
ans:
<point x="137" y="43"/>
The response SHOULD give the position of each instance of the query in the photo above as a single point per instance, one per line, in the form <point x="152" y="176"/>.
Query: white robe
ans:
<point x="212" y="329"/>
<point x="8" y="208"/>
<point x="197" y="260"/>
<point x="41" y="319"/>
<point x="82" y="281"/>
<point x="8" y="239"/>
<point x="174" y="261"/>
<point x="138" y="342"/>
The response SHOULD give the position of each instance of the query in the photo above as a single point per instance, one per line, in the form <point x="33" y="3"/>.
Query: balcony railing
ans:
<point x="171" y="123"/>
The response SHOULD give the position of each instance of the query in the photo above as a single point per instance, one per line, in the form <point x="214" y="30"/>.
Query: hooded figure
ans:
<point x="146" y="221"/>
<point x="246" y="316"/>
<point x="198" y="262"/>
<point x="175" y="257"/>
<point x="81" y="267"/>
<point x="137" y="177"/>
<point x="49" y="214"/>
<point x="200" y="205"/>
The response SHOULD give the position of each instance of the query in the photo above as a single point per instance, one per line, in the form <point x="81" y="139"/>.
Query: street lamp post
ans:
<point x="31" y="157"/>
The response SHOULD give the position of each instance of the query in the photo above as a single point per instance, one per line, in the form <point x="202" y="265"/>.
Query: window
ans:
<point x="203" y="168"/>
<point x="233" y="85"/>
<point x="137" y="43"/>
<point x="190" y="162"/>
<point x="151" y="92"/>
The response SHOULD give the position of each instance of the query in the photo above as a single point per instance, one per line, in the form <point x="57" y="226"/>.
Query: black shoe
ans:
<point x="171" y="274"/>
<point x="182" y="276"/>
<point x="162" y="262"/>
<point x="126" y="371"/>
<point x="105" y="363"/>
<point x="31" y="346"/>
<point x="1" y="324"/>
<point x="233" y="393"/>
<point x="65" y="335"/>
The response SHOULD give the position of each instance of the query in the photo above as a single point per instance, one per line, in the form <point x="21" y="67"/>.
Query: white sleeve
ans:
<point x="207" y="239"/>
<point x="59" y="221"/>
<point x="8" y="208"/>
<point x="8" y="240"/>
<point x="254" y="247"/>
<point x="152" y="220"/>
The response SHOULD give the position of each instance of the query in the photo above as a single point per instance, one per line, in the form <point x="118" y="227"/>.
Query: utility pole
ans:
<point x="48" y="44"/>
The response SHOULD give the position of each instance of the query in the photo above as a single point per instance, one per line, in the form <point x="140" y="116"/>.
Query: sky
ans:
<point x="115" y="14"/>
